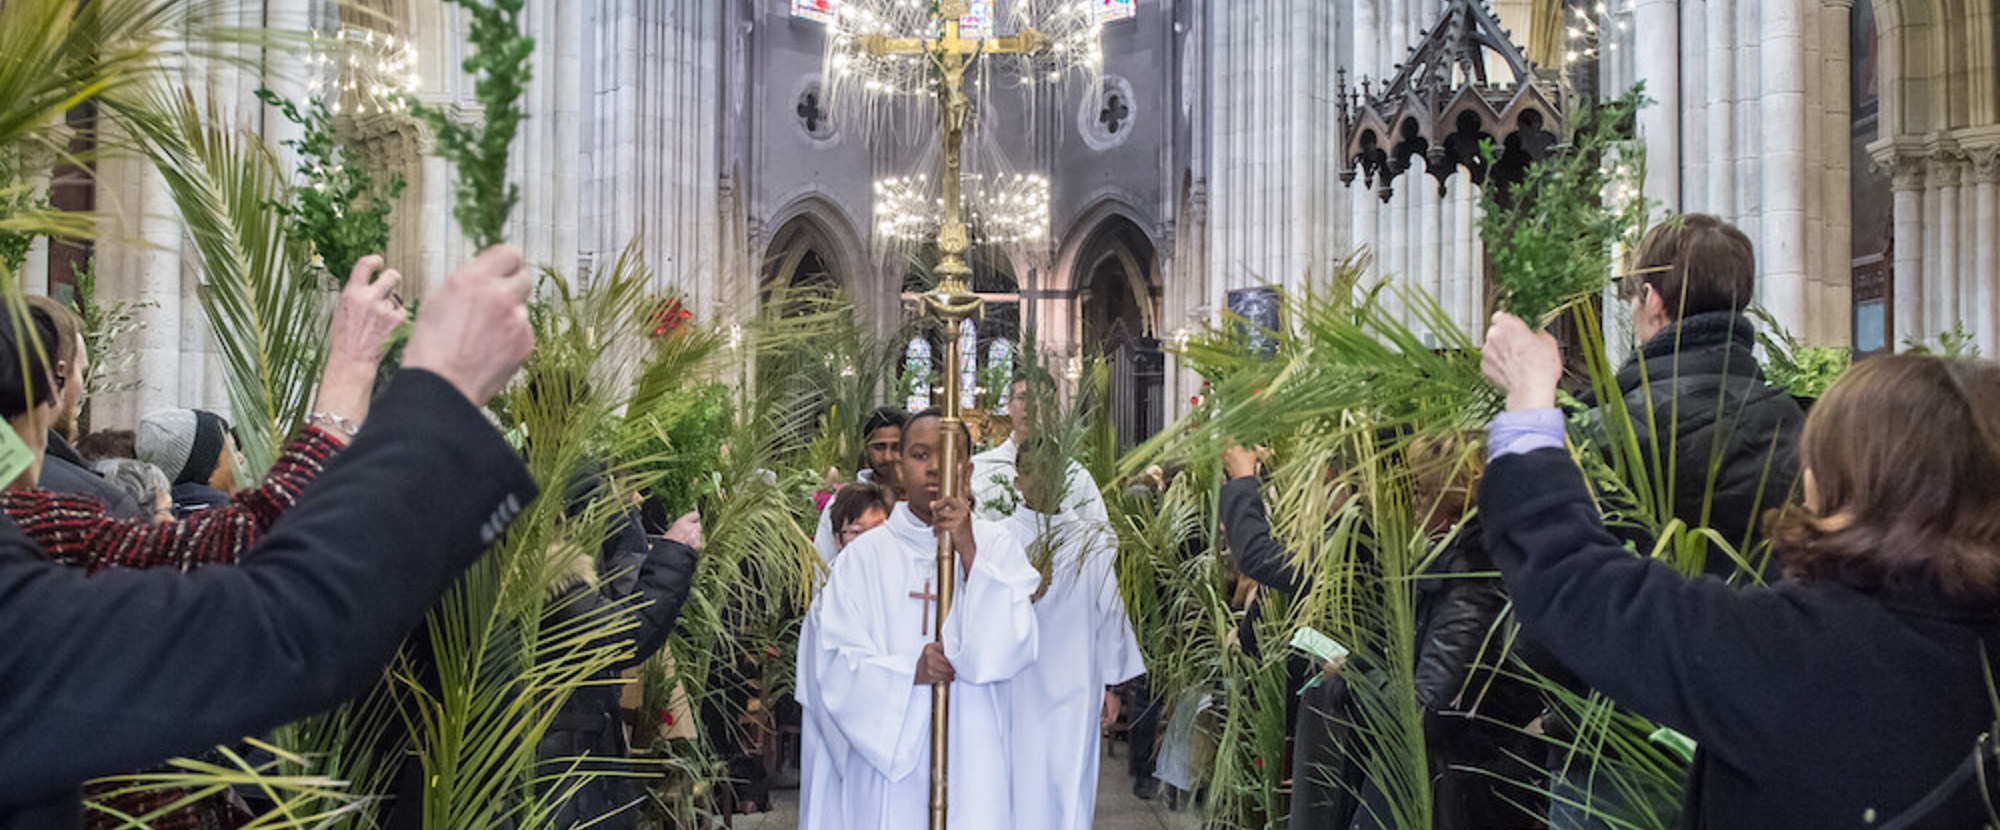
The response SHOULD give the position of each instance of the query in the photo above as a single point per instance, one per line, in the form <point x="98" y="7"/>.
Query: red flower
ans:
<point x="1258" y="761"/>
<point x="667" y="717"/>
<point x="1194" y="400"/>
<point x="670" y="315"/>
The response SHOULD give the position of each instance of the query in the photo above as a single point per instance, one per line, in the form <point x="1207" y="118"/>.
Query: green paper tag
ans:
<point x="15" y="457"/>
<point x="1311" y="641"/>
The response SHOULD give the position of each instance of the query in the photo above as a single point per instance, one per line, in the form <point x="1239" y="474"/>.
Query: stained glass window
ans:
<point x="819" y="10"/>
<point x="1105" y="11"/>
<point x="968" y="370"/>
<point x="978" y="20"/>
<point x="1000" y="367"/>
<point x="917" y="370"/>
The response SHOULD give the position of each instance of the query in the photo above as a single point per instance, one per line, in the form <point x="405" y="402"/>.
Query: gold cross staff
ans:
<point x="953" y="301"/>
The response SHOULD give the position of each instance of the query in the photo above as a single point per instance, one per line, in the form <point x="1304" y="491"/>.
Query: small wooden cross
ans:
<point x="928" y="598"/>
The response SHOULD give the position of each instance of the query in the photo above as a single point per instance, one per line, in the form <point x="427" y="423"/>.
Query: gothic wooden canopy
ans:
<point x="1443" y="105"/>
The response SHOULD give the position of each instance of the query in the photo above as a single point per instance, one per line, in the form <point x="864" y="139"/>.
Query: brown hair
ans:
<point x="1698" y="263"/>
<point x="108" y="443"/>
<point x="855" y="500"/>
<point x="1901" y="508"/>
<point x="69" y="326"/>
<point x="1445" y="469"/>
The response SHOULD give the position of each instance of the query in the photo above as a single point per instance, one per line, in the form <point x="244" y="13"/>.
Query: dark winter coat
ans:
<point x="1699" y="386"/>
<point x="64" y="471"/>
<point x="656" y="574"/>
<point x="1472" y="717"/>
<point x="117" y="671"/>
<point x="1815" y="705"/>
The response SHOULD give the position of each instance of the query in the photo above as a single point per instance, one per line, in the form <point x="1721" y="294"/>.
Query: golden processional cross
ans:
<point x="952" y="301"/>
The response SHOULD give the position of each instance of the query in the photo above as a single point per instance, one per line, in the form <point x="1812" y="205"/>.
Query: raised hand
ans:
<point x="687" y="531"/>
<point x="1526" y="364"/>
<point x="1238" y="462"/>
<point x="368" y="313"/>
<point x="932" y="667"/>
<point x="474" y="332"/>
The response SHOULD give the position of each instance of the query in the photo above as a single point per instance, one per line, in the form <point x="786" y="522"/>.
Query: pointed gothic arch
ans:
<point x="813" y="244"/>
<point x="1114" y="275"/>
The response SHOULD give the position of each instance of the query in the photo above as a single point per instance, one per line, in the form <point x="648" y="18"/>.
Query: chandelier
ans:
<point x="1002" y="210"/>
<point x="1070" y="29"/>
<point x="361" y="71"/>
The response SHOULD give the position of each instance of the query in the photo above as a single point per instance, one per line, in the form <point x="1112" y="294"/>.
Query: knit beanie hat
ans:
<point x="183" y="443"/>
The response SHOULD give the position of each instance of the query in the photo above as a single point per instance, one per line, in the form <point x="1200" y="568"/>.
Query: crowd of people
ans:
<point x="155" y="607"/>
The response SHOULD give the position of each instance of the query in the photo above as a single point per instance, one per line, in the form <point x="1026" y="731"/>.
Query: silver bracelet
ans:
<point x="335" y="422"/>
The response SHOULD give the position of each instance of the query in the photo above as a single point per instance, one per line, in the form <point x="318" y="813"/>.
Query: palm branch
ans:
<point x="228" y="187"/>
<point x="56" y="55"/>
<point x="504" y="654"/>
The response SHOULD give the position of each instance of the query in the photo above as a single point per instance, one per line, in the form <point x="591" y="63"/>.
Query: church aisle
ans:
<point x="1117" y="808"/>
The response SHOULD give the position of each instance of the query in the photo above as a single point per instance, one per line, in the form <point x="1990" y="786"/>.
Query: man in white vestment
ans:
<point x="1087" y="645"/>
<point x="881" y="441"/>
<point x="875" y="660"/>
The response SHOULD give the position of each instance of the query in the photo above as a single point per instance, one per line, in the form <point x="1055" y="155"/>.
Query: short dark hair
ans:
<point x="27" y="378"/>
<point x="887" y="416"/>
<point x="1698" y="263"/>
<point x="964" y="431"/>
<point x="855" y="500"/>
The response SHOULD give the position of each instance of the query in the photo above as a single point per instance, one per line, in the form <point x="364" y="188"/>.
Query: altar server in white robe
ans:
<point x="1087" y="644"/>
<point x="859" y="508"/>
<point x="994" y="471"/>
<point x="875" y="660"/>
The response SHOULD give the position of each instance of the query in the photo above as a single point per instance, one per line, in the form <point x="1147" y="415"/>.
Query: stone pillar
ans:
<point x="1837" y="280"/>
<point x="1720" y="112"/>
<point x="1426" y="236"/>
<point x="139" y="259"/>
<point x="1943" y="287"/>
<point x="1695" y="152"/>
<point x="1907" y="289"/>
<point x="1782" y="150"/>
<point x="1985" y="279"/>
<point x="1657" y="63"/>
<point x="1365" y="215"/>
<point x="1471" y="262"/>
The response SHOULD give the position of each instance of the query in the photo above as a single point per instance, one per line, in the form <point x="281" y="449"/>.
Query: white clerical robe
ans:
<point x="993" y="473"/>
<point x="821" y="749"/>
<point x="872" y="621"/>
<point x="1087" y="644"/>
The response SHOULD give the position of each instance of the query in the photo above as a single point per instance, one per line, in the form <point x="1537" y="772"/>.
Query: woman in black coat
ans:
<point x="1853" y="694"/>
<point x="1473" y="717"/>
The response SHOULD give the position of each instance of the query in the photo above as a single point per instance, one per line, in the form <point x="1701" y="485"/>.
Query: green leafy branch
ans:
<point x="339" y="207"/>
<point x="499" y="66"/>
<point x="1551" y="236"/>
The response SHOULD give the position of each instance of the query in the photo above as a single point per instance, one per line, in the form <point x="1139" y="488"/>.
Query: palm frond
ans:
<point x="227" y="186"/>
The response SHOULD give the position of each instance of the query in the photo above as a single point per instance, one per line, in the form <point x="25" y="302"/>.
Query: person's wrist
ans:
<point x="348" y="371"/>
<point x="1524" y="399"/>
<point x="472" y="391"/>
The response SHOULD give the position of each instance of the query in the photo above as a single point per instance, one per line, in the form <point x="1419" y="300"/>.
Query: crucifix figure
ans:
<point x="928" y="598"/>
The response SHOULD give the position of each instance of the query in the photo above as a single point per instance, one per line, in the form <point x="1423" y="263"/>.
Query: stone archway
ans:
<point x="802" y="255"/>
<point x="1115" y="278"/>
<point x="1939" y="137"/>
